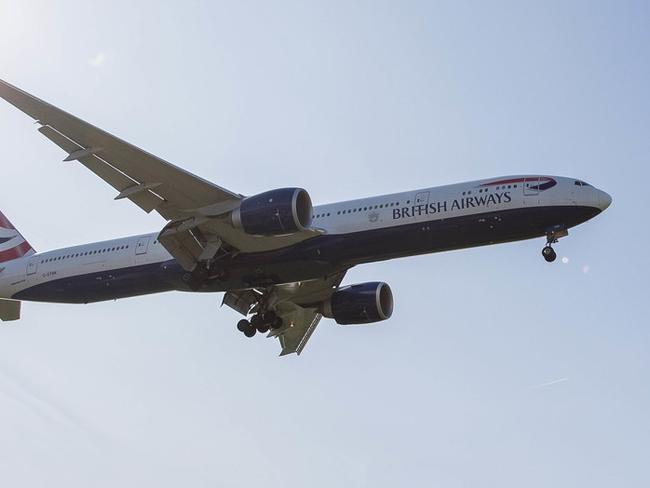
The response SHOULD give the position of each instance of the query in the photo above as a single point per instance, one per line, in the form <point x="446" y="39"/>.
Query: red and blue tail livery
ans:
<point x="279" y="260"/>
<point x="12" y="244"/>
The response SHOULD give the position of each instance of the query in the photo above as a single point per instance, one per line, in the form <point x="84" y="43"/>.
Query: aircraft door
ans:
<point x="531" y="190"/>
<point x="424" y="234"/>
<point x="32" y="267"/>
<point x="531" y="187"/>
<point x="422" y="198"/>
<point x="142" y="246"/>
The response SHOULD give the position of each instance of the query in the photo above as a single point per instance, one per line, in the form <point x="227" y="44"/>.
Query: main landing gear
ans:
<point x="261" y="323"/>
<point x="552" y="237"/>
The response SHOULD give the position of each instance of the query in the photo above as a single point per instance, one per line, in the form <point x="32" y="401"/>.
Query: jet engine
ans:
<point x="364" y="303"/>
<point x="275" y="212"/>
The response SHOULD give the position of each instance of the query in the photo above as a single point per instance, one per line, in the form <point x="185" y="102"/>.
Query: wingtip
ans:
<point x="286" y="352"/>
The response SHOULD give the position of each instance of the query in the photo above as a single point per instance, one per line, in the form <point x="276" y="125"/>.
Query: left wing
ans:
<point x="196" y="209"/>
<point x="297" y="304"/>
<point x="146" y="180"/>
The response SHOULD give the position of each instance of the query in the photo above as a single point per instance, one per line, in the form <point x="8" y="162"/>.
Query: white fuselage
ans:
<point x="337" y="219"/>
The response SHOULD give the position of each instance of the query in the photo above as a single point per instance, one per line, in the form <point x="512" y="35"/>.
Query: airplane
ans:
<point x="279" y="260"/>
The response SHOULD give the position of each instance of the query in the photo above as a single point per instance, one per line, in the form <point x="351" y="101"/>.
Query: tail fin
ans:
<point x="12" y="244"/>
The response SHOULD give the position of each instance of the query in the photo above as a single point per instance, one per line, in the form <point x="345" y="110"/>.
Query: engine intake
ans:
<point x="364" y="303"/>
<point x="274" y="212"/>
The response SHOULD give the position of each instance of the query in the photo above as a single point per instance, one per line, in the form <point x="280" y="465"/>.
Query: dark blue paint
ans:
<point x="315" y="257"/>
<point x="270" y="213"/>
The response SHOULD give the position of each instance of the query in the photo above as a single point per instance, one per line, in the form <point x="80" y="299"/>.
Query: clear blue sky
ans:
<point x="496" y="370"/>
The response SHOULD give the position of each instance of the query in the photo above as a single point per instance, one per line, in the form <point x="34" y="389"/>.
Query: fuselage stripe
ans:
<point x="518" y="180"/>
<point x="15" y="252"/>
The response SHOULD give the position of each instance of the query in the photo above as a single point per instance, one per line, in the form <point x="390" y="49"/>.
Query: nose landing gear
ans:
<point x="552" y="237"/>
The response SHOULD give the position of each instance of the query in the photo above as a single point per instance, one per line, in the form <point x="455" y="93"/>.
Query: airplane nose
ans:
<point x="604" y="200"/>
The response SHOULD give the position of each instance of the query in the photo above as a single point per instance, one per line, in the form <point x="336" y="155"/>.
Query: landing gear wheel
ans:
<point x="250" y="332"/>
<point x="243" y="325"/>
<point x="549" y="254"/>
<point x="258" y="323"/>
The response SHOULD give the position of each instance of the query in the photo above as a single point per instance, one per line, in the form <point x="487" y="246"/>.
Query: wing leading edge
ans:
<point x="148" y="181"/>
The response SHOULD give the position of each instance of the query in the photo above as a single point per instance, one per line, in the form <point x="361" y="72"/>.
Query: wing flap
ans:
<point x="183" y="246"/>
<point x="302" y="325"/>
<point x="9" y="310"/>
<point x="252" y="243"/>
<point x="241" y="301"/>
<point x="147" y="201"/>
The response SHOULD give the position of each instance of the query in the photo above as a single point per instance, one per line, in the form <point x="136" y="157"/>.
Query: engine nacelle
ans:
<point x="274" y="212"/>
<point x="360" y="304"/>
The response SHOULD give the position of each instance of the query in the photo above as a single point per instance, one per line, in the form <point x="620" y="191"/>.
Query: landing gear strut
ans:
<point x="260" y="324"/>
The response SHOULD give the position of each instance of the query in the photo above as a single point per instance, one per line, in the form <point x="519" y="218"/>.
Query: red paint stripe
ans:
<point x="516" y="180"/>
<point x="4" y="222"/>
<point x="15" y="253"/>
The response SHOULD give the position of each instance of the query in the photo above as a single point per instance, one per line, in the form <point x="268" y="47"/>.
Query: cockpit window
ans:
<point x="580" y="183"/>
